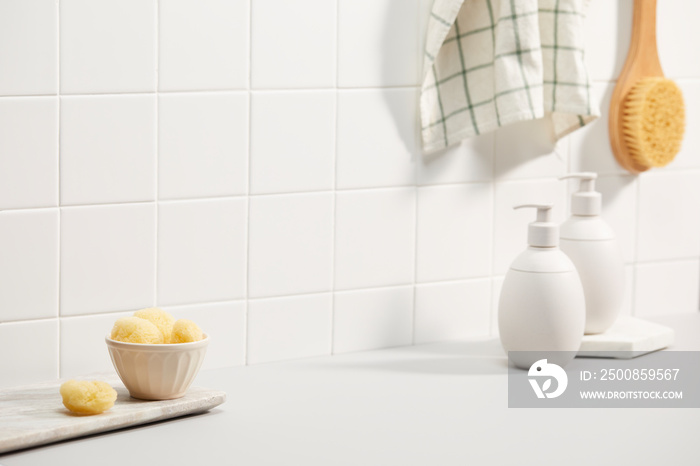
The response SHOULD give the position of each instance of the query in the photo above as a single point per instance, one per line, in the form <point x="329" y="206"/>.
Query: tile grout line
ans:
<point x="217" y="91"/>
<point x="321" y="191"/>
<point x="418" y="139"/>
<point x="58" y="184"/>
<point x="493" y="315"/>
<point x="157" y="154"/>
<point x="335" y="176"/>
<point x="249" y="95"/>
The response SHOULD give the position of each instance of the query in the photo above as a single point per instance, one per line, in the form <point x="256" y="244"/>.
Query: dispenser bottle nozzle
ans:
<point x="542" y="233"/>
<point x="586" y="201"/>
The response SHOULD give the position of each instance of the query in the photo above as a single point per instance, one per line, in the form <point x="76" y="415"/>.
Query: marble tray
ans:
<point x="628" y="338"/>
<point x="34" y="415"/>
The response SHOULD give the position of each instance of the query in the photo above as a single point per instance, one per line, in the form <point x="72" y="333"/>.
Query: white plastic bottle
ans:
<point x="542" y="307"/>
<point x="590" y="244"/>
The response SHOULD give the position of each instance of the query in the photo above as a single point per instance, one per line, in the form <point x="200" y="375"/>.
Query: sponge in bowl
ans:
<point x="185" y="331"/>
<point x="160" y="319"/>
<point x="136" y="330"/>
<point x="85" y="397"/>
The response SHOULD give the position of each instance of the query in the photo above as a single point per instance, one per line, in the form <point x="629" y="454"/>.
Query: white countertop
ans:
<point x="438" y="404"/>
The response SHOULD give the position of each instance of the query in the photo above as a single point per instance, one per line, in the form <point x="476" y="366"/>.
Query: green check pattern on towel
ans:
<point x="489" y="63"/>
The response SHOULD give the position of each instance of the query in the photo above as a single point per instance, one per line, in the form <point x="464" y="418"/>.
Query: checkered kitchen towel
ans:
<point x="489" y="63"/>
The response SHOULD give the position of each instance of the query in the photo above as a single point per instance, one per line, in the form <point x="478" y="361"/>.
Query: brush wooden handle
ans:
<point x="642" y="62"/>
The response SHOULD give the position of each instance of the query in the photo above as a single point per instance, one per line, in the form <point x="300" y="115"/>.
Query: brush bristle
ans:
<point x="654" y="121"/>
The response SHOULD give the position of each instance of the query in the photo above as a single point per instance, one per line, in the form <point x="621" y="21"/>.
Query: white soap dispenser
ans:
<point x="590" y="244"/>
<point x="542" y="307"/>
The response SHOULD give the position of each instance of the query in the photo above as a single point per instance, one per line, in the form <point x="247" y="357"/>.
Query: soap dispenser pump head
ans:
<point x="586" y="201"/>
<point x="542" y="233"/>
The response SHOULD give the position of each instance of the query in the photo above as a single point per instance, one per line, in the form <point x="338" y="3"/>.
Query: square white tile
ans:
<point x="291" y="244"/>
<point x="448" y="311"/>
<point x="292" y="141"/>
<point x="108" y="149"/>
<point x="664" y="288"/>
<point x="669" y="224"/>
<point x="225" y="324"/>
<point x="201" y="251"/>
<point x="470" y="160"/>
<point x="203" y="45"/>
<point x="29" y="264"/>
<point x="607" y="33"/>
<point x="34" y="350"/>
<point x="28" y="152"/>
<point x="82" y="345"/>
<point x="510" y="226"/>
<point x="590" y="145"/>
<point x="374" y="238"/>
<point x="526" y="150"/>
<point x="293" y="44"/>
<point x="107" y="46"/>
<point x="289" y="328"/>
<point x="29" y="47"/>
<point x="619" y="209"/>
<point x="454" y="232"/>
<point x="676" y="30"/>
<point x="107" y="258"/>
<point x="377" y="42"/>
<point x="376" y="138"/>
<point x="202" y="145"/>
<point x="372" y="319"/>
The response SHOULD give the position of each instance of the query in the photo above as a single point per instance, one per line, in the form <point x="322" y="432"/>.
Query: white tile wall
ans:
<point x="107" y="46"/>
<point x="449" y="246"/>
<point x="667" y="288"/>
<point x="29" y="258"/>
<point x="293" y="44"/>
<point x="28" y="152"/>
<point x="286" y="328"/>
<point x="201" y="251"/>
<point x="669" y="225"/>
<point x="203" y="44"/>
<point x="290" y="247"/>
<point x="255" y="166"/>
<point x="108" y="149"/>
<point x="448" y="311"/>
<point x="29" y="352"/>
<point x="292" y="142"/>
<point x="375" y="238"/>
<point x="202" y="145"/>
<point x="29" y="47"/>
<point x="371" y="319"/>
<point x="382" y="150"/>
<point x="378" y="43"/>
<point x="107" y="258"/>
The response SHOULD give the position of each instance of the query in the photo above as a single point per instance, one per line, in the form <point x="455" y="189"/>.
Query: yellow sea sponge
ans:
<point x="85" y="397"/>
<point x="136" y="330"/>
<point x="160" y="319"/>
<point x="654" y="121"/>
<point x="185" y="331"/>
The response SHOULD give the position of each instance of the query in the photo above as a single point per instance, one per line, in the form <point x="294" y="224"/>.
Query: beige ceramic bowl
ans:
<point x="157" y="372"/>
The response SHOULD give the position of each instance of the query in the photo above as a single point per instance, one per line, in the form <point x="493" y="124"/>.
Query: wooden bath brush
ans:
<point x="647" y="115"/>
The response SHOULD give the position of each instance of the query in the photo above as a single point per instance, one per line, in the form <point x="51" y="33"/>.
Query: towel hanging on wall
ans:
<point x="489" y="63"/>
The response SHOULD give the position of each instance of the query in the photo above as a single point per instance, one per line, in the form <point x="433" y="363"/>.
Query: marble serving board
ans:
<point x="34" y="415"/>
<point x="628" y="338"/>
